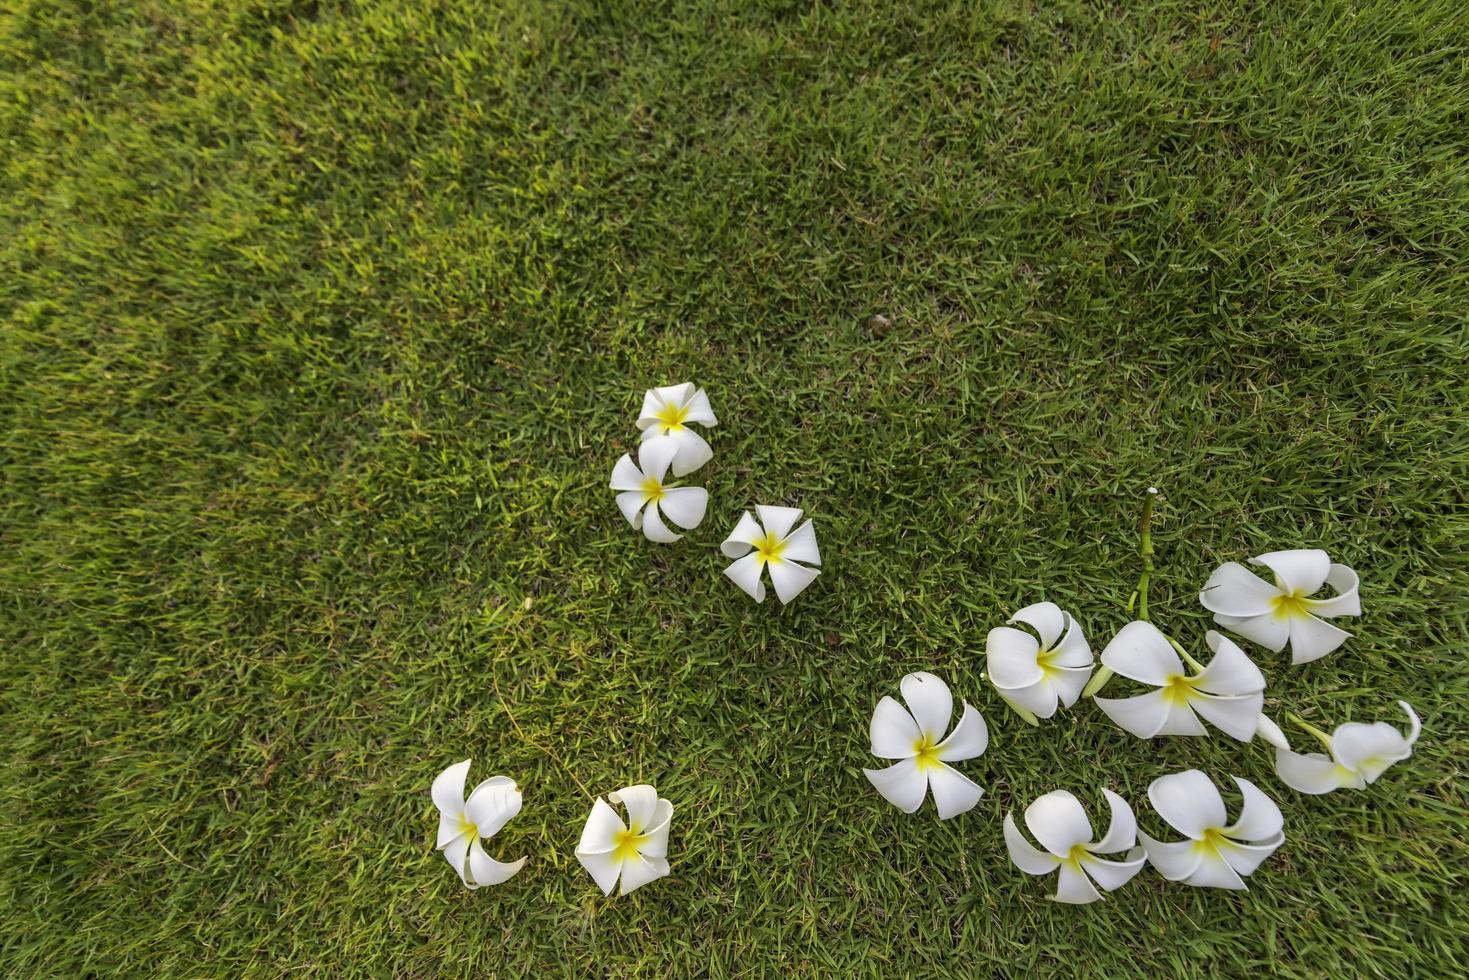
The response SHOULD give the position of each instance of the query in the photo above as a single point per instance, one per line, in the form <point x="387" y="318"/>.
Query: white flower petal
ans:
<point x="1011" y="658"/>
<point x="1143" y="653"/>
<point x="1142" y="715"/>
<point x="456" y="852"/>
<point x="790" y="579"/>
<point x="800" y="545"/>
<point x="1301" y="571"/>
<point x="1245" y="858"/>
<point x="953" y="792"/>
<point x="631" y="502"/>
<point x="1345" y="602"/>
<point x="1182" y="721"/>
<point x="893" y="731"/>
<point x="1073" y="650"/>
<point x="448" y="789"/>
<point x="743" y="537"/>
<point x="640" y="801"/>
<point x="777" y="521"/>
<point x="1312" y="638"/>
<point x="656" y="846"/>
<point x="599" y="835"/>
<point x="1121" y="830"/>
<point x="1237" y="716"/>
<point x="969" y="738"/>
<point x="603" y="867"/>
<point x="1414" y="725"/>
<point x="654" y="529"/>
<point x="1259" y="817"/>
<point x="684" y="506"/>
<point x="1112" y="875"/>
<point x="485" y="870"/>
<point x="450" y="827"/>
<point x="1214" y="872"/>
<point x="929" y="701"/>
<point x="1039" y="698"/>
<point x="699" y="409"/>
<point x="1174" y="861"/>
<point x="903" y="785"/>
<point x="652" y="405"/>
<point x="1369" y="749"/>
<point x="1028" y="858"/>
<point x="638" y="871"/>
<point x="1234" y="590"/>
<point x="1058" y="821"/>
<point x="1313" y="773"/>
<point x="1189" y="801"/>
<point x="1267" y="629"/>
<point x="626" y="475"/>
<point x="691" y="453"/>
<point x="1069" y="682"/>
<point x="493" y="804"/>
<point x="746" y="574"/>
<point x="1271" y="733"/>
<point x="1073" y="887"/>
<point x="655" y="455"/>
<point x="1046" y="618"/>
<point x="1231" y="671"/>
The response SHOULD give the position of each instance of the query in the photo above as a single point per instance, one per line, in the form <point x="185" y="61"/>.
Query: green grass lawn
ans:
<point x="324" y="323"/>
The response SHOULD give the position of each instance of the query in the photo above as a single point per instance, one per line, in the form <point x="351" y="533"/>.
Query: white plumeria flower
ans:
<point x="1273" y="615"/>
<point x="462" y="825"/>
<point x="668" y="412"/>
<point x="1035" y="676"/>
<point x="645" y="499"/>
<point x="1060" y="824"/>
<point x="637" y="851"/>
<point x="916" y="736"/>
<point x="1359" y="754"/>
<point x="1229" y="693"/>
<point x="770" y="543"/>
<point x="1216" y="854"/>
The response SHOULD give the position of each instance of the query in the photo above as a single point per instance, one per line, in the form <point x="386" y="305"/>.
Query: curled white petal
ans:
<point x="1140" y="651"/>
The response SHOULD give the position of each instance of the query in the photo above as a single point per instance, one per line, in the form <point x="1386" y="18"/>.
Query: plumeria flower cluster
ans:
<point x="1215" y="854"/>
<point x="645" y="497"/>
<point x="633" y="853"/>
<point x="770" y="541"/>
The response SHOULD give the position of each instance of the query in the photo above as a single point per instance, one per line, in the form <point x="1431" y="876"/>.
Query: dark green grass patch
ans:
<point x="323" y="324"/>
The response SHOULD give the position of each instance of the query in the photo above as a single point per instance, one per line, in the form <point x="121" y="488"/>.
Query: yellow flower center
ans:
<point x="1290" y="606"/>
<point x="1046" y="661"/>
<point x="926" y="753"/>
<point x="653" y="490"/>
<point x="671" y="418"/>
<point x="1211" y="842"/>
<point x="628" y="843"/>
<point x="768" y="549"/>
<point x="1073" y="857"/>
<point x="1178" y="689"/>
<point x="467" y="826"/>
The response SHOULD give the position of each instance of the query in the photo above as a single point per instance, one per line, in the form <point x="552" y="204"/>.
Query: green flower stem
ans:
<point x="1321" y="736"/>
<point x="1198" y="667"/>
<point x="1145" y="549"/>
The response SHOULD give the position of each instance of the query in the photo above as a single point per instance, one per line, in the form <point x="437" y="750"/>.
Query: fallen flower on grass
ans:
<point x="1360" y="753"/>
<point x="1060" y="823"/>
<point x="645" y="499"/>
<point x="770" y="543"/>
<point x="635" y="852"/>
<point x="1215" y="855"/>
<point x="916" y="736"/>
<point x="463" y="825"/>
<point x="1229" y="692"/>
<point x="1273" y="615"/>
<point x="1034" y="676"/>
<point x="668" y="412"/>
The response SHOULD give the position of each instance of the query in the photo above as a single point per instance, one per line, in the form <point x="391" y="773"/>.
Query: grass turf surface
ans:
<point x="324" y="324"/>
